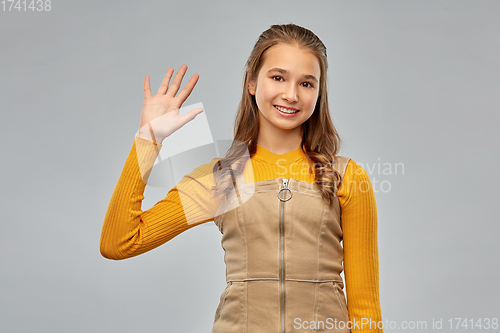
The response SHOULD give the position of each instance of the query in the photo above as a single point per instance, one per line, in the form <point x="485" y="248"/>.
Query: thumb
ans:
<point x="192" y="114"/>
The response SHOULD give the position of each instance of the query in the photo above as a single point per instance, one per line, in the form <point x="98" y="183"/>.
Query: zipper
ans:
<point x="282" y="241"/>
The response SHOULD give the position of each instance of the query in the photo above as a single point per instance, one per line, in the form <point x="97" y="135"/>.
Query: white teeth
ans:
<point x="285" y="110"/>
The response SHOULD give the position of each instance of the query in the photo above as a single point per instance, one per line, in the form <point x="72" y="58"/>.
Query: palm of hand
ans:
<point x="160" y="113"/>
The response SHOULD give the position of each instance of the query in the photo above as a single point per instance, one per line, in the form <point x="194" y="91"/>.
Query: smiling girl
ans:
<point x="293" y="213"/>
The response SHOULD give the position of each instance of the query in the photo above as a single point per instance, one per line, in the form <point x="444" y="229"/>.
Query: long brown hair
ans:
<point x="320" y="140"/>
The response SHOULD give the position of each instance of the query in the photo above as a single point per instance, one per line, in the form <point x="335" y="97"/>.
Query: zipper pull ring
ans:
<point x="284" y="188"/>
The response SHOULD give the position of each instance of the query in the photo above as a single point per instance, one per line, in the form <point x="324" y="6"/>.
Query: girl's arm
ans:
<point x="359" y="225"/>
<point x="128" y="231"/>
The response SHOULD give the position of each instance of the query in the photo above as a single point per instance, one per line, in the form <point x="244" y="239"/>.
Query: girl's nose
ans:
<point x="290" y="94"/>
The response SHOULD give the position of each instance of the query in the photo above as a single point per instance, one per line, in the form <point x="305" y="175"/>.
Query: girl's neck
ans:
<point x="280" y="142"/>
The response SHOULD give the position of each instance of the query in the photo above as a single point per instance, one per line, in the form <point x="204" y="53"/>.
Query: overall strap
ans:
<point x="340" y="164"/>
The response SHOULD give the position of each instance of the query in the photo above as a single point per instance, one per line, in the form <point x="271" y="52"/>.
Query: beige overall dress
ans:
<point x="283" y="259"/>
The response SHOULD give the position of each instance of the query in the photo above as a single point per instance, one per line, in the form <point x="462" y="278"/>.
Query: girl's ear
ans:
<point x="251" y="85"/>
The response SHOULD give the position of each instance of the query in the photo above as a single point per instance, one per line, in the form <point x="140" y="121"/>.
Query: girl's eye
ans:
<point x="279" y="78"/>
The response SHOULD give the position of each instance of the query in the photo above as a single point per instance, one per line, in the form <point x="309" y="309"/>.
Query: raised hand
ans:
<point x="160" y="113"/>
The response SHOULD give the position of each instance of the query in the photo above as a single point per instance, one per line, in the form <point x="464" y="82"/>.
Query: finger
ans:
<point x="177" y="81"/>
<point x="184" y="94"/>
<point x="147" y="87"/>
<point x="166" y="79"/>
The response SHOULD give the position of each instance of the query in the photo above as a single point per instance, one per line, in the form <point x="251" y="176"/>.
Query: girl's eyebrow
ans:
<point x="283" y="71"/>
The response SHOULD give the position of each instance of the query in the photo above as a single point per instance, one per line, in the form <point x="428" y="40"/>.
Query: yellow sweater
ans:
<point x="128" y="231"/>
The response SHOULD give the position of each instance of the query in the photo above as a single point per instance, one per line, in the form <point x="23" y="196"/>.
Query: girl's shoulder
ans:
<point x="340" y="163"/>
<point x="355" y="181"/>
<point x="349" y="168"/>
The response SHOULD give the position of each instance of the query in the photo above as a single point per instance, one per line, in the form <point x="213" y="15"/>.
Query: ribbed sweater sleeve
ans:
<point x="128" y="231"/>
<point x="361" y="267"/>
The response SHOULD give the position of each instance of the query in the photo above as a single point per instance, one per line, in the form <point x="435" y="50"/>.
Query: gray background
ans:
<point x="412" y="82"/>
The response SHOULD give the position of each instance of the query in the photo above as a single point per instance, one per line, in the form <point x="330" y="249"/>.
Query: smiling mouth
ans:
<point x="285" y="110"/>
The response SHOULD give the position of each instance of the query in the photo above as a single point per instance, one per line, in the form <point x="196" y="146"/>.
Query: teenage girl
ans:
<point x="283" y="208"/>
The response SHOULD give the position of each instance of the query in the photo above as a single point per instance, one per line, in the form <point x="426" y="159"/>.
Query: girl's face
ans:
<point x="287" y="81"/>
